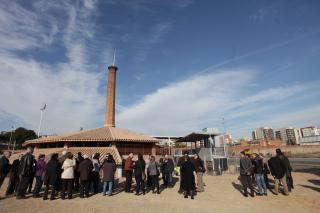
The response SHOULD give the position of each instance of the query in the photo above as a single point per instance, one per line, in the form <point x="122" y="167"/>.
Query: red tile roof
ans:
<point x="100" y="134"/>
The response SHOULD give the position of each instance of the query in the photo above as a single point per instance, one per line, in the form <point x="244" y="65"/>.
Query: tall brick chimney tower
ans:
<point x="111" y="97"/>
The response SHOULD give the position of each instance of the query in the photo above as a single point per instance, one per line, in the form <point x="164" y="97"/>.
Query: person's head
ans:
<point x="1" y="152"/>
<point x="242" y="154"/>
<point x="196" y="156"/>
<point x="69" y="155"/>
<point x="152" y="158"/>
<point x="79" y="154"/>
<point x="85" y="156"/>
<point x="30" y="150"/>
<point x="278" y="152"/>
<point x="140" y="157"/>
<point x="54" y="156"/>
<point x="110" y="158"/>
<point x="64" y="152"/>
<point x="185" y="153"/>
<point x="41" y="157"/>
<point x="166" y="157"/>
<point x="96" y="156"/>
<point x="7" y="154"/>
<point x="131" y="155"/>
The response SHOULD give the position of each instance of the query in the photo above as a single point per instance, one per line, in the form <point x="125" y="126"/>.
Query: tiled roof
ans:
<point x="100" y="134"/>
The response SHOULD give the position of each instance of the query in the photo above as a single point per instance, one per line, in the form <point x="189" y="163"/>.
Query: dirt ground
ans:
<point x="221" y="195"/>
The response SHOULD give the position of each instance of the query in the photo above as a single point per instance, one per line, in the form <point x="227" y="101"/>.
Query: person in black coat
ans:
<point x="246" y="174"/>
<point x="4" y="166"/>
<point x="51" y="176"/>
<point x="140" y="175"/>
<point x="14" y="177"/>
<point x="278" y="171"/>
<point x="26" y="173"/>
<point x="188" y="181"/>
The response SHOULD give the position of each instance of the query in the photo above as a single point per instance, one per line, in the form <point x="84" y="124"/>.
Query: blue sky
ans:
<point x="183" y="64"/>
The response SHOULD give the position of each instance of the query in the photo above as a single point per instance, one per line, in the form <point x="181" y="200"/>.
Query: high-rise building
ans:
<point x="310" y="131"/>
<point x="263" y="133"/>
<point x="288" y="136"/>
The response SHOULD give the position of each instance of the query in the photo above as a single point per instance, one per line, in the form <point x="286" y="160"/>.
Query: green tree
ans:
<point x="19" y="136"/>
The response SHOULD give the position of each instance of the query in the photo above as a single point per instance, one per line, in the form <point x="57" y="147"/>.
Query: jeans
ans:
<point x="261" y="184"/>
<point x="140" y="184"/>
<point x="107" y="184"/>
<point x="38" y="186"/>
<point x="168" y="177"/>
<point x="154" y="182"/>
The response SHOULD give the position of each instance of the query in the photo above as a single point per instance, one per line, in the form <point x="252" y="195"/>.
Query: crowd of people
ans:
<point x="68" y="174"/>
<point x="254" y="169"/>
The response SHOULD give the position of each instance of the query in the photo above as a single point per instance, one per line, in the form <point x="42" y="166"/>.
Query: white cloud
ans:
<point x="69" y="89"/>
<point x="204" y="99"/>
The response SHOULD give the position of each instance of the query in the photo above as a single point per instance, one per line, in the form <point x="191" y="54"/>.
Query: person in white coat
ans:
<point x="67" y="175"/>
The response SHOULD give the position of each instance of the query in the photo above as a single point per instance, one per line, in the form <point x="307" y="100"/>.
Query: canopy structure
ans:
<point x="197" y="136"/>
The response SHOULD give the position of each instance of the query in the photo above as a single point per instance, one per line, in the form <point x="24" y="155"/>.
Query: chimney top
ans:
<point x="112" y="67"/>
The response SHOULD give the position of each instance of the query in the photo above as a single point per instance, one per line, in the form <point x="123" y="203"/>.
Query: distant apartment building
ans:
<point x="288" y="136"/>
<point x="310" y="131"/>
<point x="311" y="140"/>
<point x="263" y="133"/>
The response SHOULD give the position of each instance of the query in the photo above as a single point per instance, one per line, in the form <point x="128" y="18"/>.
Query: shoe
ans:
<point x="192" y="197"/>
<point x="259" y="194"/>
<point x="246" y="195"/>
<point x="137" y="194"/>
<point x="158" y="192"/>
<point x="52" y="198"/>
<point x="265" y="194"/>
<point x="186" y="196"/>
<point x="45" y="198"/>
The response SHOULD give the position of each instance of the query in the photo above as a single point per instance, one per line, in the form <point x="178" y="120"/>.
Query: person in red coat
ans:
<point x="128" y="168"/>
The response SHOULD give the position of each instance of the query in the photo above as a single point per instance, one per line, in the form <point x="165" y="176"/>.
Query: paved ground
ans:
<point x="221" y="195"/>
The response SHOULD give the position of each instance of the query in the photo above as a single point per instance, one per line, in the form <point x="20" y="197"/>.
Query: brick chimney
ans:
<point x="111" y="97"/>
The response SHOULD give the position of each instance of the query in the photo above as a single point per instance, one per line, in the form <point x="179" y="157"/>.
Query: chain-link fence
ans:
<point x="234" y="165"/>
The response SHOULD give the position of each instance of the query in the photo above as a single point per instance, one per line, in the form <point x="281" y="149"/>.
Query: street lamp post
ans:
<point x="10" y="137"/>
<point x="41" y="115"/>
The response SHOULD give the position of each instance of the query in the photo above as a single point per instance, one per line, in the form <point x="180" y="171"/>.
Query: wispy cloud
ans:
<point x="69" y="88"/>
<point x="203" y="100"/>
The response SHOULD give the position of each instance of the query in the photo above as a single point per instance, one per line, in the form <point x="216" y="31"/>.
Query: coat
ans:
<point x="4" y="166"/>
<point x="85" y="168"/>
<point x="277" y="167"/>
<point x="128" y="165"/>
<point x="108" y="170"/>
<point x="68" y="167"/>
<point x="187" y="176"/>
<point x="258" y="165"/>
<point x="40" y="167"/>
<point x="168" y="166"/>
<point x="139" y="167"/>
<point x="27" y="166"/>
<point x="52" y="172"/>
<point x="199" y="165"/>
<point x="245" y="166"/>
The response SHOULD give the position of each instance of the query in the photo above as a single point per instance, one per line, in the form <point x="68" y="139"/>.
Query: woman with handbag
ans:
<point x="140" y="175"/>
<point x="154" y="173"/>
